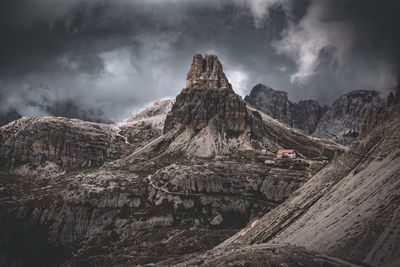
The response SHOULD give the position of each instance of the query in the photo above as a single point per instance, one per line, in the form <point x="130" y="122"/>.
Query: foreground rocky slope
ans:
<point x="259" y="255"/>
<point x="163" y="193"/>
<point x="348" y="210"/>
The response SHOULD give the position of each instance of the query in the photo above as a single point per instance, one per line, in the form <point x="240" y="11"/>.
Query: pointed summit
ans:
<point x="207" y="72"/>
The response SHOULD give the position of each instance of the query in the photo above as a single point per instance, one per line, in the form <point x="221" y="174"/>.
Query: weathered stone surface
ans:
<point x="207" y="72"/>
<point x="195" y="107"/>
<point x="258" y="255"/>
<point x="272" y="183"/>
<point x="307" y="114"/>
<point x="342" y="122"/>
<point x="349" y="210"/>
<point x="304" y="115"/>
<point x="69" y="143"/>
<point x="272" y="102"/>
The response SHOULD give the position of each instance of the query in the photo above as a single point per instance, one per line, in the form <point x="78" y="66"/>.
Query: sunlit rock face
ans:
<point x="340" y="123"/>
<point x="207" y="72"/>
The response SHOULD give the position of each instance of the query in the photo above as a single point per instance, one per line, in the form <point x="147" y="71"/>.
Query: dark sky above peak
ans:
<point x="118" y="56"/>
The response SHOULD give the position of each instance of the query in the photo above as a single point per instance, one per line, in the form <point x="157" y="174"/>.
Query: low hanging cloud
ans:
<point x="359" y="37"/>
<point x="305" y="41"/>
<point x="260" y="8"/>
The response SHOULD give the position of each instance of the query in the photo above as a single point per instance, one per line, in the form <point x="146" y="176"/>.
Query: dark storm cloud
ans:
<point x="344" y="44"/>
<point x="117" y="56"/>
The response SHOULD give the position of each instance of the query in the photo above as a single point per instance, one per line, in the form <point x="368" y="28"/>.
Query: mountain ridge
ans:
<point x="340" y="122"/>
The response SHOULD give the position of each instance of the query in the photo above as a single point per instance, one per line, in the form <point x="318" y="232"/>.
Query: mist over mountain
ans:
<point x="115" y="57"/>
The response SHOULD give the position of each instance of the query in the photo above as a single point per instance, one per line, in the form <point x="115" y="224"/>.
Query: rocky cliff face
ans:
<point x="208" y="101"/>
<point x="56" y="143"/>
<point x="304" y="115"/>
<point x="207" y="72"/>
<point x="272" y="102"/>
<point x="342" y="122"/>
<point x="307" y="114"/>
<point x="196" y="107"/>
<point x="68" y="143"/>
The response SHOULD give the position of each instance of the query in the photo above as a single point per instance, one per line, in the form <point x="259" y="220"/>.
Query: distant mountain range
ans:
<point x="340" y="123"/>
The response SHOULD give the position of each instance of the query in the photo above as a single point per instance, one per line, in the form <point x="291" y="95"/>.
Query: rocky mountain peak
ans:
<point x="209" y="119"/>
<point x="208" y="96"/>
<point x="207" y="72"/>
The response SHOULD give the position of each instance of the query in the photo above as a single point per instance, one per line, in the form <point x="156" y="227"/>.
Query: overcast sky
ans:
<point x="119" y="55"/>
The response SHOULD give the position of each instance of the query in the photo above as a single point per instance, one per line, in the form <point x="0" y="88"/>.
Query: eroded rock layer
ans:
<point x="207" y="72"/>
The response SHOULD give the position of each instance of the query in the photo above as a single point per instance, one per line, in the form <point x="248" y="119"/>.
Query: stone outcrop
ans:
<point x="208" y="95"/>
<point x="304" y="115"/>
<point x="349" y="210"/>
<point x="49" y="144"/>
<point x="342" y="122"/>
<point x="195" y="108"/>
<point x="207" y="72"/>
<point x="66" y="142"/>
<point x="307" y="114"/>
<point x="210" y="109"/>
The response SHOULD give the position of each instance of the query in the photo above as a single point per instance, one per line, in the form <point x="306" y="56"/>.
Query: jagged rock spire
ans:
<point x="207" y="72"/>
<point x="195" y="108"/>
